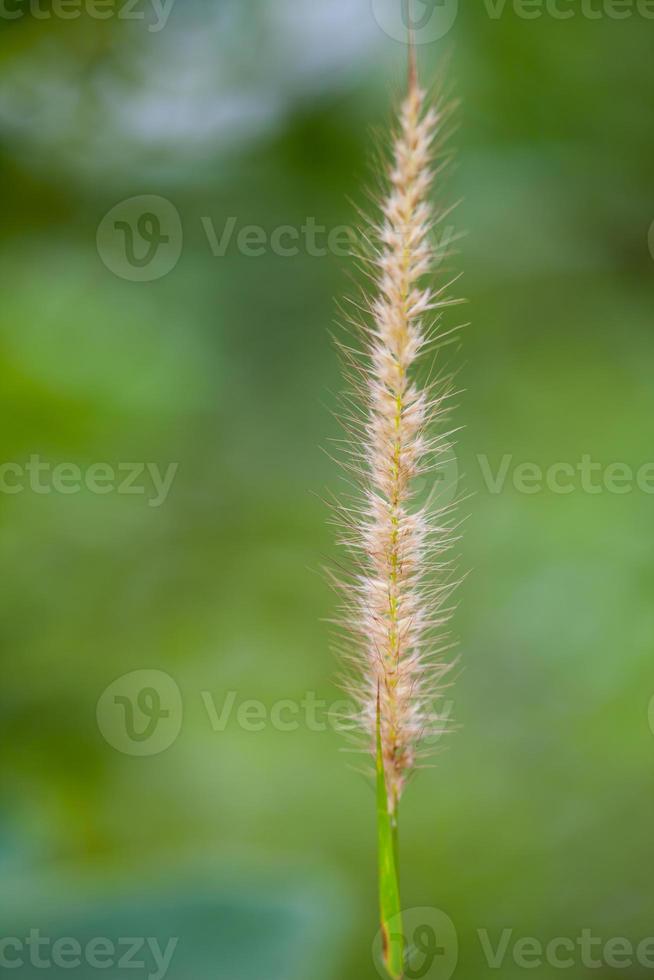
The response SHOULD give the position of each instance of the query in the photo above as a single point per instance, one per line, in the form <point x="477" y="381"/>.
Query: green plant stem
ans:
<point x="389" y="887"/>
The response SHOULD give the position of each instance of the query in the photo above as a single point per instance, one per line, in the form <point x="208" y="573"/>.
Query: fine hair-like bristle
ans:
<point x="397" y="588"/>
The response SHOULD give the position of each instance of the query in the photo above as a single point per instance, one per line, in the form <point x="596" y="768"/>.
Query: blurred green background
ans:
<point x="256" y="847"/>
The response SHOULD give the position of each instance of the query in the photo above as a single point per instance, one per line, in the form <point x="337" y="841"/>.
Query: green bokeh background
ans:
<point x="257" y="847"/>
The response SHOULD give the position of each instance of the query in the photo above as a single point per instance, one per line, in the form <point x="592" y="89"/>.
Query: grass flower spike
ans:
<point x="395" y="597"/>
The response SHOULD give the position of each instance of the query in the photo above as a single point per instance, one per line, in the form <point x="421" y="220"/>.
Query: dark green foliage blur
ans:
<point x="254" y="844"/>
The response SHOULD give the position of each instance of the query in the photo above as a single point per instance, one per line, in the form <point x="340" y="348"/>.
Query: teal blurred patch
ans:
<point x="188" y="932"/>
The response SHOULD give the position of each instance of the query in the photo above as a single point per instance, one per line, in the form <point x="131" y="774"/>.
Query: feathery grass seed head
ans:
<point x="395" y="597"/>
